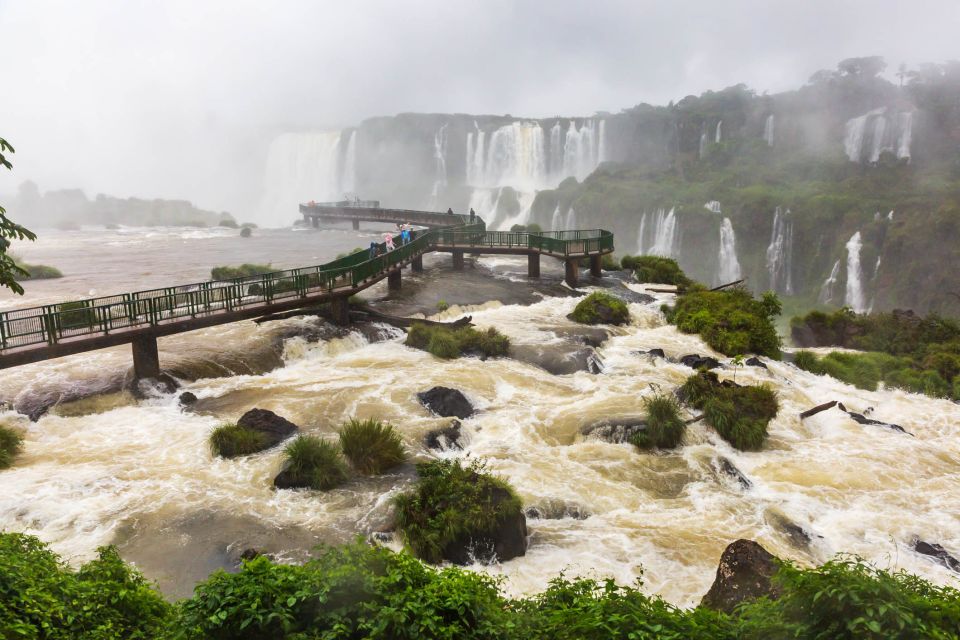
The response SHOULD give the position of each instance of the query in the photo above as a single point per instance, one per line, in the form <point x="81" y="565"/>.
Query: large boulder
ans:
<point x="275" y="428"/>
<point x="696" y="361"/>
<point x="446" y="402"/>
<point x="615" y="430"/>
<point x="938" y="553"/>
<point x="506" y="541"/>
<point x="745" y="573"/>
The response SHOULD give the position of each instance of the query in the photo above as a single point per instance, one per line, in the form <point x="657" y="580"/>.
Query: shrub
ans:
<point x="601" y="308"/>
<point x="807" y="360"/>
<point x="665" y="427"/>
<point x="448" y="343"/>
<point x="442" y="306"/>
<point x="230" y="223"/>
<point x="451" y="502"/>
<point x="656" y="270"/>
<point x="232" y="440"/>
<point x="732" y="321"/>
<point x="243" y="271"/>
<point x="38" y="272"/>
<point x="10" y="443"/>
<point x="443" y="344"/>
<point x="740" y="414"/>
<point x="246" y="232"/>
<point x="609" y="263"/>
<point x="371" y="446"/>
<point x="489" y="343"/>
<point x="315" y="463"/>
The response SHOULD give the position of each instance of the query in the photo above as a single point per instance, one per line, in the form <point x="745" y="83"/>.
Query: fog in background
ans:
<point x="179" y="99"/>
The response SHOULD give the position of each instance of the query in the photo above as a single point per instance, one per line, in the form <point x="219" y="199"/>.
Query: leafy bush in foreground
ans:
<point x="315" y="463"/>
<point x="740" y="414"/>
<point x="448" y="343"/>
<point x="601" y="308"/>
<point x="10" y="442"/>
<point x="732" y="321"/>
<point x="665" y="427"/>
<point x="232" y="440"/>
<point x="656" y="270"/>
<point x="451" y="501"/>
<point x="371" y="446"/>
<point x="243" y="271"/>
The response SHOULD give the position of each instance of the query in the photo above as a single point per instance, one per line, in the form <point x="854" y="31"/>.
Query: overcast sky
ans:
<point x="168" y="98"/>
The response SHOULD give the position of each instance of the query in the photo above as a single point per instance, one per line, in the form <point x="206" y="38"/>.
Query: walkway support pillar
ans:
<point x="146" y="358"/>
<point x="393" y="280"/>
<point x="533" y="265"/>
<point x="315" y="221"/>
<point x="596" y="265"/>
<point x="417" y="263"/>
<point x="571" y="272"/>
<point x="458" y="260"/>
<point x="340" y="311"/>
<point x="356" y="225"/>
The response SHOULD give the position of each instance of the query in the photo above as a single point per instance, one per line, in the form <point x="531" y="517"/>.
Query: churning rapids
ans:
<point x="138" y="473"/>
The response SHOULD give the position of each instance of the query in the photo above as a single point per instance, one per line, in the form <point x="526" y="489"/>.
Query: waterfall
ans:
<point x="484" y="202"/>
<point x="664" y="233"/>
<point x="440" y="161"/>
<point x="855" y="131"/>
<point x="474" y="163"/>
<point x="571" y="222"/>
<point x="349" y="181"/>
<point x="556" y="220"/>
<point x="525" y="200"/>
<point x="641" y="233"/>
<point x="780" y="253"/>
<point x="729" y="265"/>
<point x="602" y="142"/>
<point x="703" y="144"/>
<point x="879" y="145"/>
<point x="579" y="150"/>
<point x="300" y="167"/>
<point x="826" y="289"/>
<point x="768" y="130"/>
<point x="716" y="135"/>
<point x="905" y="122"/>
<point x="854" y="298"/>
<point x="713" y="206"/>
<point x="556" y="152"/>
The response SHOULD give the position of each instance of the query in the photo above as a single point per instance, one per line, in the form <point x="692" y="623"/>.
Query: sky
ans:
<point x="175" y="98"/>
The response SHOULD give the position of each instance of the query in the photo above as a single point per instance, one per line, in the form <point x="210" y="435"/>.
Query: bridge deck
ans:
<point x="51" y="331"/>
<point x="365" y="211"/>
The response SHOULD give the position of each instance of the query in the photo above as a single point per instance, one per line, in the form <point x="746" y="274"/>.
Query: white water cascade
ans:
<point x="716" y="135"/>
<point x="349" y="182"/>
<point x="780" y="253"/>
<point x="867" y="136"/>
<point x="905" y="137"/>
<point x="300" y="167"/>
<point x="640" y="233"/>
<point x="664" y="233"/>
<point x="440" y="159"/>
<point x="855" y="298"/>
<point x="729" y="269"/>
<point x="703" y="144"/>
<point x="827" y="288"/>
<point x="713" y="206"/>
<point x="571" y="222"/>
<point x="768" y="130"/>
<point x="557" y="220"/>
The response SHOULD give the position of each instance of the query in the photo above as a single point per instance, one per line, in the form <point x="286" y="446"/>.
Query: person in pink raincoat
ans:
<point x="388" y="238"/>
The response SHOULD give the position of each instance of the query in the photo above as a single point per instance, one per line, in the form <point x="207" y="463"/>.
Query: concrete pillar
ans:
<point x="571" y="272"/>
<point x="417" y="263"/>
<point x="533" y="265"/>
<point x="315" y="221"/>
<point x="393" y="280"/>
<point x="340" y="311"/>
<point x="146" y="358"/>
<point x="596" y="265"/>
<point x="356" y="225"/>
<point x="458" y="260"/>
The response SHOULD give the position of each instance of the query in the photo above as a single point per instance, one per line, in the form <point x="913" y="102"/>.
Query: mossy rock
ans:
<point x="601" y="308"/>
<point x="739" y="413"/>
<point x="311" y="463"/>
<point x="257" y="430"/>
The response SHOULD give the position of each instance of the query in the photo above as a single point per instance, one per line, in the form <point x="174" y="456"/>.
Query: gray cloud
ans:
<point x="175" y="98"/>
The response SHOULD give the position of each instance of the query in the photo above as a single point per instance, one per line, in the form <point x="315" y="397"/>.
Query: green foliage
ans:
<point x="609" y="263"/>
<point x="243" y="271"/>
<point x="732" y="321"/>
<point x="75" y="315"/>
<point x="665" y="427"/>
<point x="442" y="305"/>
<point x="246" y="232"/>
<point x="351" y="252"/>
<point x="866" y="370"/>
<point x="448" y="343"/>
<point x="314" y="462"/>
<point x="451" y="502"/>
<point x="229" y="223"/>
<point x="601" y="308"/>
<point x="40" y="272"/>
<point x="10" y="443"/>
<point x="232" y="440"/>
<point x="42" y="598"/>
<point x="371" y="446"/>
<point x="656" y="269"/>
<point x="10" y="271"/>
<point x="528" y="228"/>
<point x="740" y="414"/>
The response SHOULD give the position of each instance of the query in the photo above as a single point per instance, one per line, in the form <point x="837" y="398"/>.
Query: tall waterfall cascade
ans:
<point x="780" y="253"/>
<point x="440" y="159"/>
<point x="703" y="142"/>
<point x="717" y="133"/>
<point x="827" y="288"/>
<point x="729" y="267"/>
<point x="306" y="166"/>
<point x="349" y="181"/>
<point x="640" y="233"/>
<point x="855" y="298"/>
<point x="869" y="135"/>
<point x="664" y="234"/>
<point x="713" y="206"/>
<point x="768" y="130"/>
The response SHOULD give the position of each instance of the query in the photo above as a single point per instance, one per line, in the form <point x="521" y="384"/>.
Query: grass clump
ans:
<point x="243" y="271"/>
<point x="229" y="223"/>
<point x="34" y="271"/>
<point x="448" y="343"/>
<point x="601" y="308"/>
<point x="232" y="440"/>
<point x="451" y="503"/>
<point x="371" y="446"/>
<point x="740" y="414"/>
<point x="732" y="321"/>
<point x="610" y="263"/>
<point x="10" y="443"/>
<point x="665" y="427"/>
<point x="655" y="269"/>
<point x="868" y="369"/>
<point x="315" y="463"/>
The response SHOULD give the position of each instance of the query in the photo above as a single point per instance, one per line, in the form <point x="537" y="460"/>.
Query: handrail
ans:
<point x="52" y="323"/>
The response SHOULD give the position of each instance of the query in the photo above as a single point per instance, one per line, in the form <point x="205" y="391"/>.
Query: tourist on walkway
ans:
<point x="373" y="250"/>
<point x="473" y="215"/>
<point x="388" y="239"/>
<point x="450" y="211"/>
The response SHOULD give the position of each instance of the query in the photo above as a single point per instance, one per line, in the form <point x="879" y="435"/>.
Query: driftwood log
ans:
<point x="367" y="314"/>
<point x="729" y="284"/>
<point x="817" y="409"/>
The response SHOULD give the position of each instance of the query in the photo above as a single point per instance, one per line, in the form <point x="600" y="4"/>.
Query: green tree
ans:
<point x="9" y="229"/>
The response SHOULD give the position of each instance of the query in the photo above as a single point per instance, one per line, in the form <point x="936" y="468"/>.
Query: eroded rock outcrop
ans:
<point x="275" y="428"/>
<point x="745" y="572"/>
<point x="446" y="402"/>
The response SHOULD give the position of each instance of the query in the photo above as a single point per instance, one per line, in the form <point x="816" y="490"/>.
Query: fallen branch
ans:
<point x="729" y="284"/>
<point x="398" y="321"/>
<point x="817" y="409"/>
<point x="694" y="419"/>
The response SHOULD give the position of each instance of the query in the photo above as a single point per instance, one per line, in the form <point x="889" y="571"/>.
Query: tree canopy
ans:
<point x="10" y="230"/>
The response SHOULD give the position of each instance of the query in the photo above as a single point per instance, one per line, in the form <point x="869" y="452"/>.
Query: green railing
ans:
<point x="50" y="324"/>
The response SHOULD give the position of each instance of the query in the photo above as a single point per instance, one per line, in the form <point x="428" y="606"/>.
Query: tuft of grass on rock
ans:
<point x="232" y="440"/>
<point x="371" y="446"/>
<point x="655" y="269"/>
<point x="601" y="308"/>
<point x="665" y="428"/>
<point x="243" y="271"/>
<point x="313" y="462"/>
<point x="448" y="343"/>
<point x="740" y="414"/>
<point x="10" y="443"/>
